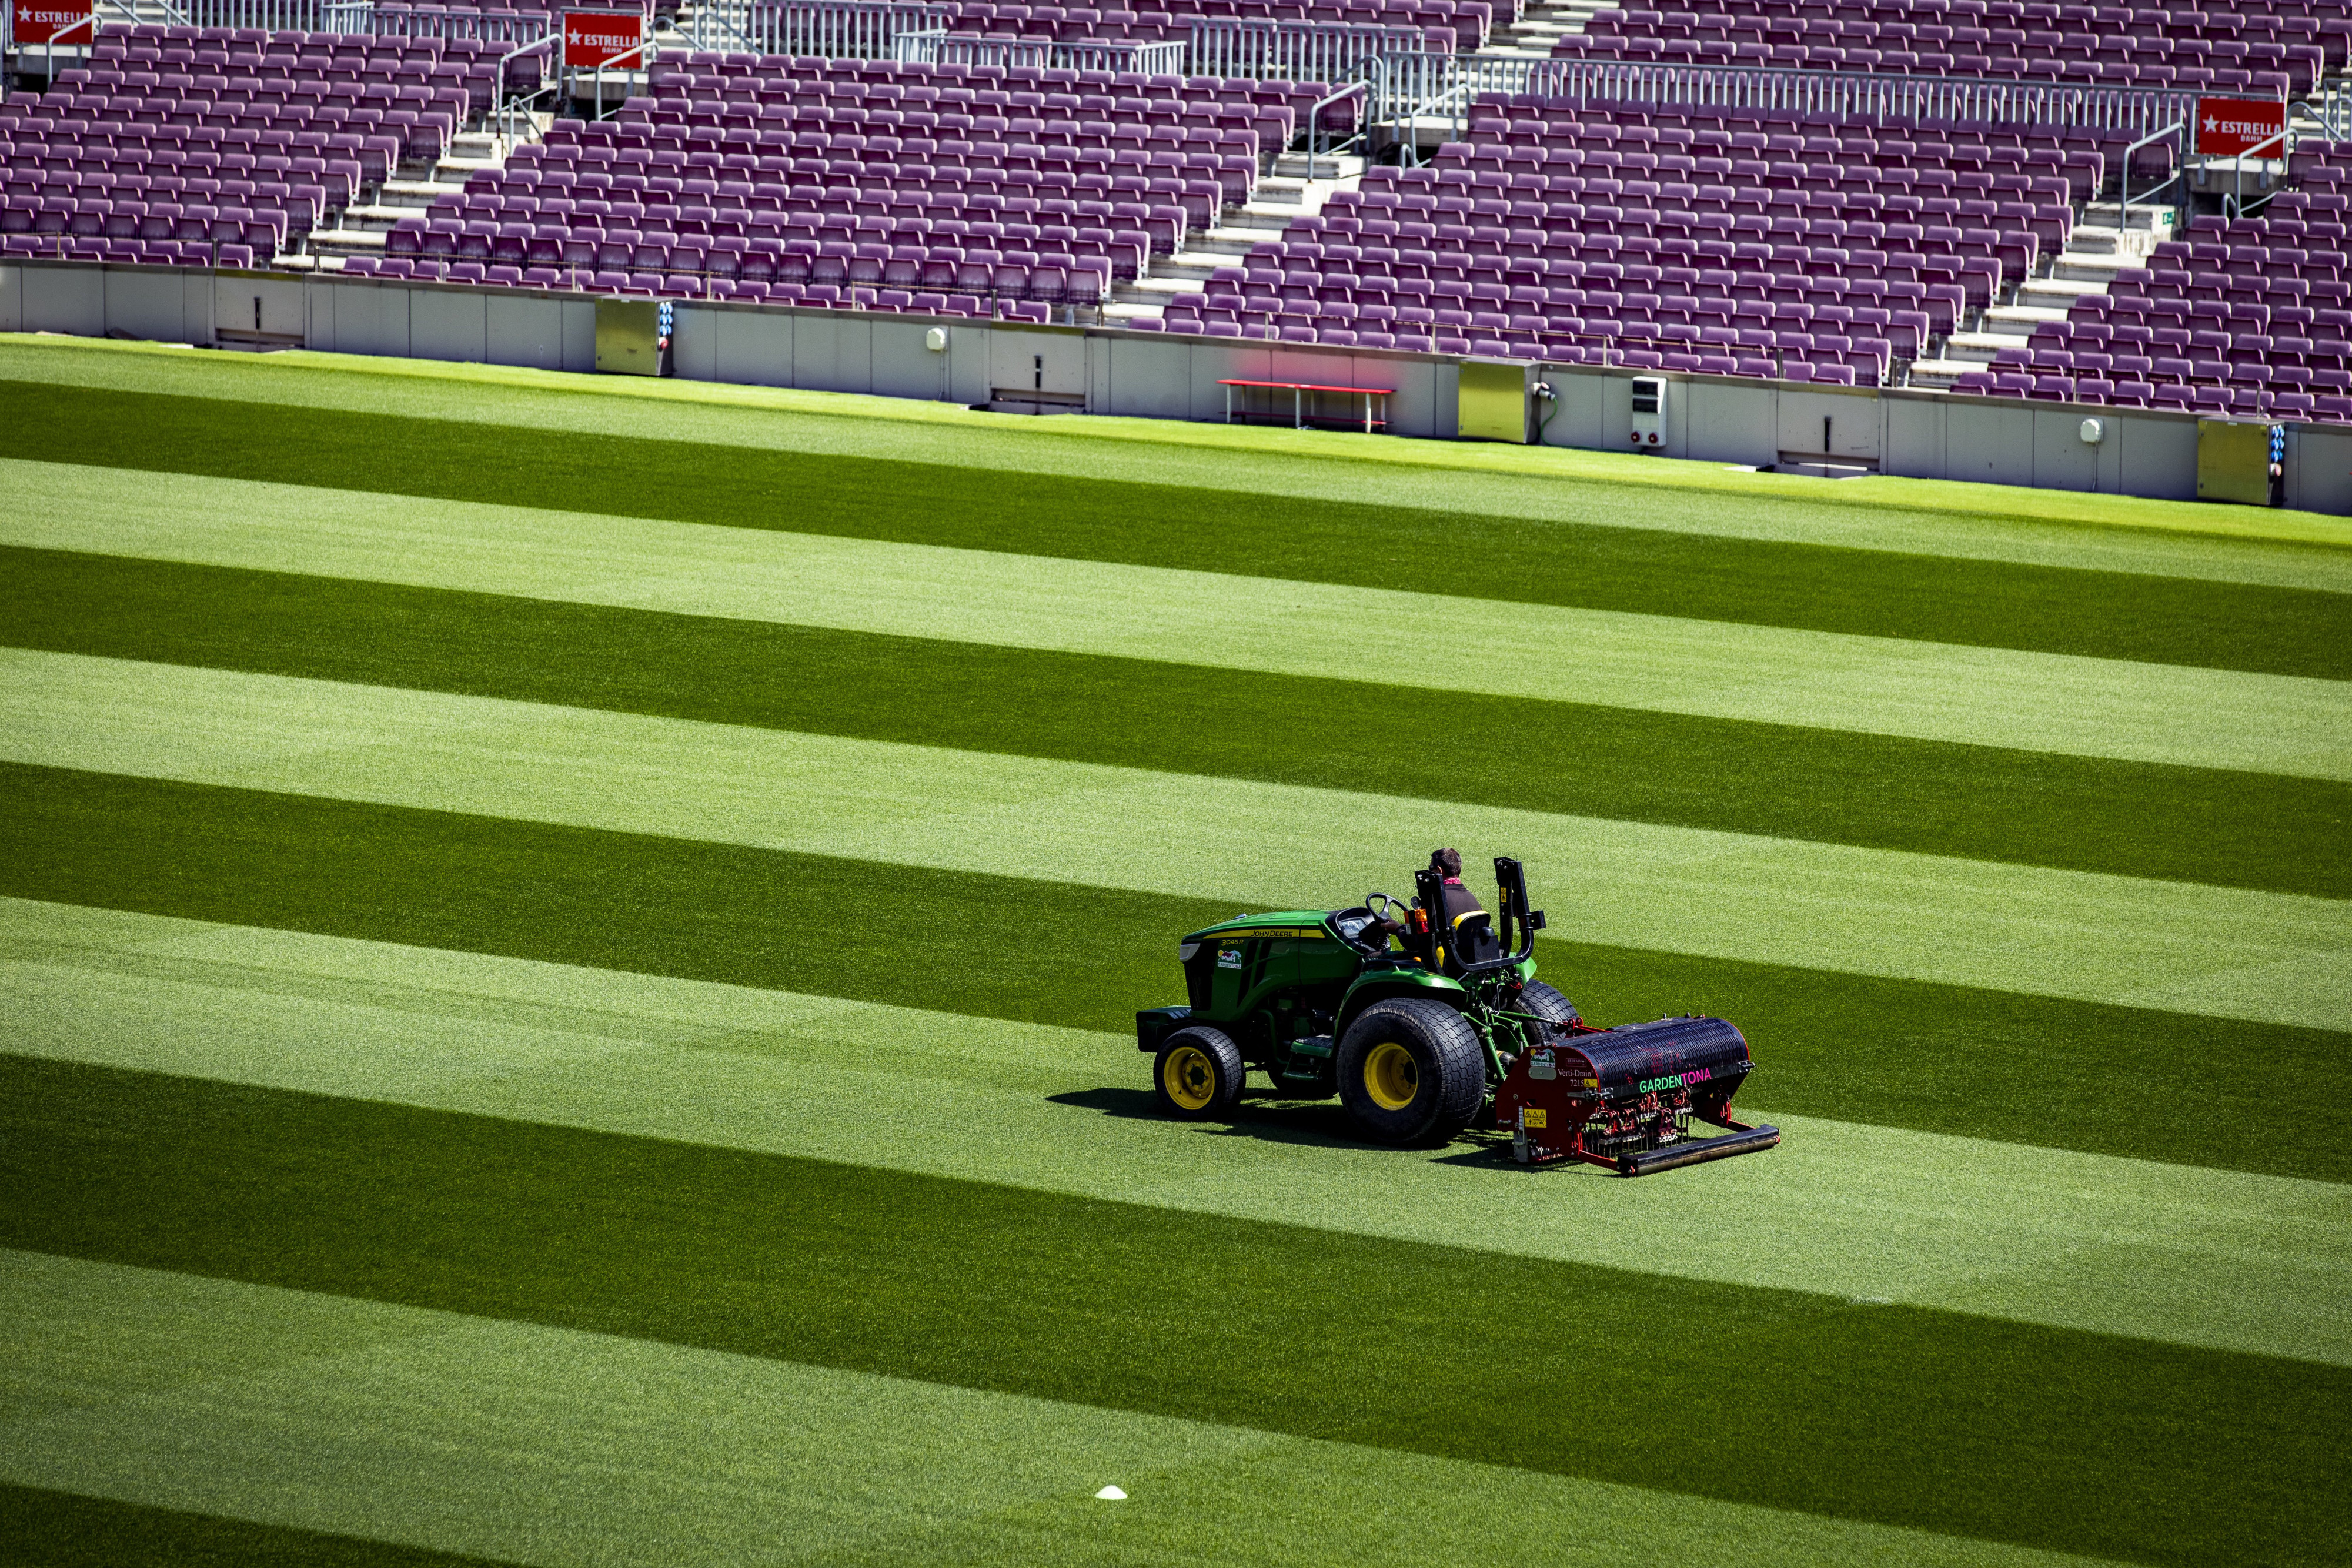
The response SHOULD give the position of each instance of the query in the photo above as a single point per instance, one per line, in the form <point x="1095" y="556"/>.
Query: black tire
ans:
<point x="1197" y="1073"/>
<point x="1547" y="1004"/>
<point x="1410" y="1071"/>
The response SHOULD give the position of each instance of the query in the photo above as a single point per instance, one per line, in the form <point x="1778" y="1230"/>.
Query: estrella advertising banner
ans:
<point x="592" y="38"/>
<point x="49" y="21"/>
<point x="2227" y="127"/>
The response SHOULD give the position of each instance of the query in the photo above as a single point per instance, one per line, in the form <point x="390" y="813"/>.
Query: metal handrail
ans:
<point x="508" y="105"/>
<point x="1315" y="148"/>
<point x="2236" y="205"/>
<point x="2123" y="204"/>
<point x="644" y="53"/>
<point x="1410" y="79"/>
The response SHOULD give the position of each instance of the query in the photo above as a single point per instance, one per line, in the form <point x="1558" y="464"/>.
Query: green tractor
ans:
<point x="1424" y="1029"/>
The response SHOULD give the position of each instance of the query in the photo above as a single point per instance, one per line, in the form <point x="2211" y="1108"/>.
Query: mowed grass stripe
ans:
<point x="2220" y="951"/>
<point x="1889" y="1415"/>
<point x="1540" y="485"/>
<point x="2105" y="708"/>
<point x="548" y="1446"/>
<point x="2225" y="1260"/>
<point x="1843" y="1047"/>
<point x="53" y="1529"/>
<point x="1871" y="593"/>
<point x="2076" y="813"/>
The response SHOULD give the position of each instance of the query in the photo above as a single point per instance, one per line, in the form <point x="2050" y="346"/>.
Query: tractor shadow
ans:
<point x="1264" y="1115"/>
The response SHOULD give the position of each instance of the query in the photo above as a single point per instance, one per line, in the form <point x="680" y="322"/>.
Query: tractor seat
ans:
<point x="1473" y="940"/>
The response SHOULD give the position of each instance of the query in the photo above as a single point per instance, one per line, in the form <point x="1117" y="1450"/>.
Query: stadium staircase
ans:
<point x="414" y="187"/>
<point x="1298" y="187"/>
<point x="2099" y="249"/>
<point x="1543" y="25"/>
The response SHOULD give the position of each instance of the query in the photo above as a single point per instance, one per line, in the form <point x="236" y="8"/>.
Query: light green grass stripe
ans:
<point x="2217" y="1259"/>
<point x="2226" y="952"/>
<point x="555" y="1447"/>
<point x="1988" y="697"/>
<point x="1993" y="522"/>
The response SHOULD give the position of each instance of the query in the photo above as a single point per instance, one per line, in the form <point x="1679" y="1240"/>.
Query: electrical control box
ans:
<point x="1649" y="413"/>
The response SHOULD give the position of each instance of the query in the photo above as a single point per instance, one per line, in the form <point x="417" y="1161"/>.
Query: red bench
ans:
<point x="1300" y="416"/>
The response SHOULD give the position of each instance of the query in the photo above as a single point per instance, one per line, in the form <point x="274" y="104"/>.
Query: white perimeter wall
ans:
<point x="1711" y="419"/>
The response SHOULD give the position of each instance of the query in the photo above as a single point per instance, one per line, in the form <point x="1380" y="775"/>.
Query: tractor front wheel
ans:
<point x="1197" y="1073"/>
<point x="1410" y="1070"/>
<point x="1541" y="1001"/>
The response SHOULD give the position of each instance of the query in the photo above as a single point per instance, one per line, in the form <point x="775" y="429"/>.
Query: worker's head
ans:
<point x="1446" y="862"/>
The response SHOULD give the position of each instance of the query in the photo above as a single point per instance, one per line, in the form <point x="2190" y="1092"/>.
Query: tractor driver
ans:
<point x="1455" y="900"/>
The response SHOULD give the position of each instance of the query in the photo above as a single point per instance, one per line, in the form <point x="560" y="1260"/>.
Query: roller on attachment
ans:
<point x="1624" y="1098"/>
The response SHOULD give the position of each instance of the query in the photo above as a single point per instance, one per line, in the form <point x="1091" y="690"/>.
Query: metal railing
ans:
<point x="2234" y="204"/>
<point x="1443" y="87"/>
<point x="282" y="16"/>
<point x="1318" y="140"/>
<point x="1297" y="51"/>
<point x="2123" y="204"/>
<point x="517" y="112"/>
<point x="2332" y="107"/>
<point x="833" y="29"/>
<point x="935" y="47"/>
<point x="458" y="22"/>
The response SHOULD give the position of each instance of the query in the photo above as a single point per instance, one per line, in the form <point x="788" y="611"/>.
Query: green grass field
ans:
<point x="569" y="948"/>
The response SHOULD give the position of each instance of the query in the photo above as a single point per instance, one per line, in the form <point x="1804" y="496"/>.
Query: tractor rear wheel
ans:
<point x="1543" y="1002"/>
<point x="1197" y="1073"/>
<point x="1410" y="1070"/>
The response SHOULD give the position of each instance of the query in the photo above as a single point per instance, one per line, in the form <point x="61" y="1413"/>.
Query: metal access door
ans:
<point x="2233" y="462"/>
<point x="1491" y="402"/>
<point x="629" y="337"/>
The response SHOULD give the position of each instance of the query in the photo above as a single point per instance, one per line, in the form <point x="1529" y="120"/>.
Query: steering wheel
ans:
<point x="1383" y="907"/>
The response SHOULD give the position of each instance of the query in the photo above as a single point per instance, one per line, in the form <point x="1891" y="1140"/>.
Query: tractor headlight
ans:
<point x="1184" y="951"/>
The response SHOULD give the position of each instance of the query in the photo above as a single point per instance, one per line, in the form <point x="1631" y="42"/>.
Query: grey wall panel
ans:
<point x="833" y="350"/>
<point x="444" y="324"/>
<point x="2159" y="457"/>
<point x="524" y="330"/>
<point x="372" y="319"/>
<point x="902" y="366"/>
<point x="2319" y="470"/>
<point x="1147" y="377"/>
<point x="319" y="314"/>
<point x="1414" y="405"/>
<point x="1726" y="424"/>
<point x="1912" y="443"/>
<point x="1215" y="359"/>
<point x="1853" y="423"/>
<point x="1988" y="442"/>
<point x="246" y="302"/>
<point x="1099" y="395"/>
<point x="1579" y="406"/>
<point x="2063" y="460"/>
<point x="751" y="347"/>
<point x="694" y="335"/>
<point x="579" y="335"/>
<point x="1034" y="360"/>
<point x="12" y="298"/>
<point x="967" y="356"/>
<point x="65" y="299"/>
<point x="147" y="304"/>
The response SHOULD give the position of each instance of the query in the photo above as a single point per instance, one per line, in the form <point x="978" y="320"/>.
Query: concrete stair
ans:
<point x="1282" y="196"/>
<point x="413" y="188"/>
<point x="1544" y="24"/>
<point x="2101" y="247"/>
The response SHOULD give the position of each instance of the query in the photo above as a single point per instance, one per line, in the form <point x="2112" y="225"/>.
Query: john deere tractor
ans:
<point x="1422" y="1029"/>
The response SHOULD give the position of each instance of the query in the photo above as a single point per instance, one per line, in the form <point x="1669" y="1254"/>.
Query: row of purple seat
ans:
<point x="2250" y="48"/>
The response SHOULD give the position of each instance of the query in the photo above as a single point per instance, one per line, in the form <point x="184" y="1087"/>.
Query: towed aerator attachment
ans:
<point x="1624" y="1097"/>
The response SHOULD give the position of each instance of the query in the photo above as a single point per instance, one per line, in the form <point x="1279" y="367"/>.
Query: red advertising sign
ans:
<point x="2227" y="127"/>
<point x="49" y="21"/>
<point x="593" y="38"/>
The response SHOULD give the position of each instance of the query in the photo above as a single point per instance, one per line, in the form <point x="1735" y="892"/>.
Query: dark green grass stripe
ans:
<point x="1960" y="1424"/>
<point x="1946" y="1059"/>
<point x="41" y="1529"/>
<point x="2076" y="813"/>
<point x="1822" y="588"/>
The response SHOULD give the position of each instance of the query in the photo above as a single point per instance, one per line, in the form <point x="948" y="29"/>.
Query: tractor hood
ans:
<point x="1281" y="923"/>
